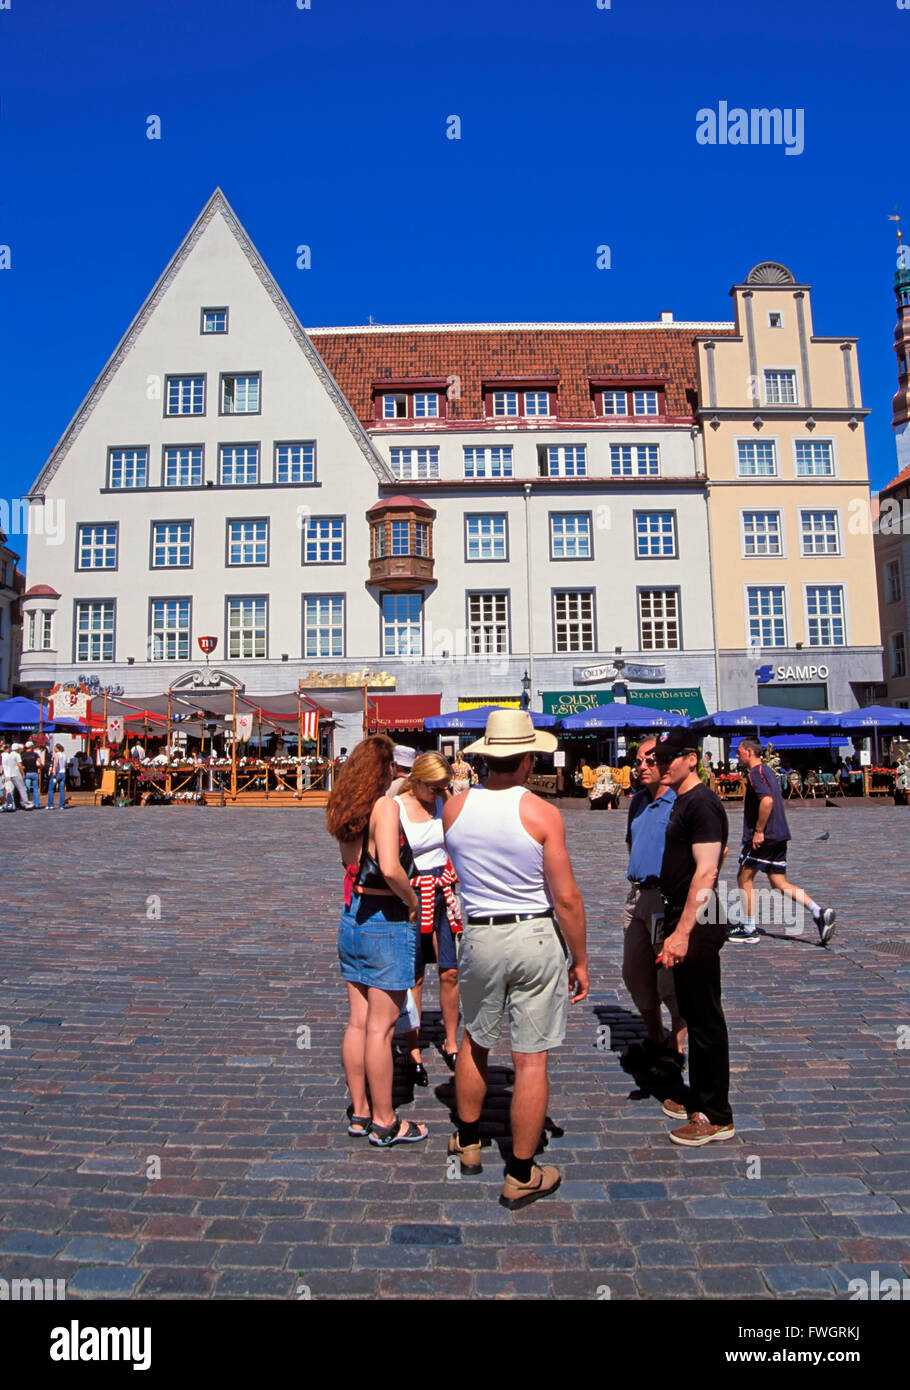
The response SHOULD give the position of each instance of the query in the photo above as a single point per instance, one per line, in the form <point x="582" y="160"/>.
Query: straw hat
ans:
<point x="511" y="731"/>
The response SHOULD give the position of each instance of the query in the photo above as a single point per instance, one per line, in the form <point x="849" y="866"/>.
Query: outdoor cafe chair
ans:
<point x="813" y="785"/>
<point x="836" y="786"/>
<point x="795" y="783"/>
<point x="108" y="785"/>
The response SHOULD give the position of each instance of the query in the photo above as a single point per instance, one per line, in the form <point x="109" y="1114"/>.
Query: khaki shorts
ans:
<point x="519" y="966"/>
<point x="648" y="983"/>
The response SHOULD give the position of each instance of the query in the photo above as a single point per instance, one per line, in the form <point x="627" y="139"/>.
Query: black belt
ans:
<point x="508" y="917"/>
<point x="652" y="882"/>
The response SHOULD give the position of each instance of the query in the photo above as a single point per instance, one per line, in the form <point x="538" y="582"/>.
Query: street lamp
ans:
<point x="526" y="690"/>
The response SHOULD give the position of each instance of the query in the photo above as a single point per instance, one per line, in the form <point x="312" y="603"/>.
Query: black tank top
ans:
<point x="369" y="874"/>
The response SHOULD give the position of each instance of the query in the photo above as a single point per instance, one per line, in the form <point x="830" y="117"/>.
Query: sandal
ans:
<point x="384" y="1136"/>
<point x="359" y="1127"/>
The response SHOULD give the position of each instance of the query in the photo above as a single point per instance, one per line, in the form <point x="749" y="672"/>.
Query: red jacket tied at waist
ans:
<point x="425" y="886"/>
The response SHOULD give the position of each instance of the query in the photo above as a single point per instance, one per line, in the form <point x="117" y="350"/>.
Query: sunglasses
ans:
<point x="649" y="759"/>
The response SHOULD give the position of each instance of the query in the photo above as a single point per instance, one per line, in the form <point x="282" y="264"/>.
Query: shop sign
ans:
<point x="507" y="701"/>
<point x="627" y="671"/>
<point x="791" y="673"/>
<point x="562" y="703"/>
<point x="346" y="680"/>
<point x="69" y="701"/>
<point x="683" y="700"/>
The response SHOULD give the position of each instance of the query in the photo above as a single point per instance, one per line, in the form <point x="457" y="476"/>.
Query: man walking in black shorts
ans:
<point x="765" y="837"/>
<point x="693" y="936"/>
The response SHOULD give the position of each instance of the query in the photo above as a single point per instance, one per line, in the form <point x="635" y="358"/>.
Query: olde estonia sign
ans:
<point x="629" y="671"/>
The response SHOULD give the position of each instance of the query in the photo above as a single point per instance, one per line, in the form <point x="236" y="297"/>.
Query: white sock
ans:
<point x="814" y="908"/>
<point x="749" y="925"/>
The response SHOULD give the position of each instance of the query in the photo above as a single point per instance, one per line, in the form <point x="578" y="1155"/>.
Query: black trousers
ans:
<point x="697" y="982"/>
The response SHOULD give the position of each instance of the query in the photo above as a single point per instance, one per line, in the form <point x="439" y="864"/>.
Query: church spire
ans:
<point x="900" y="405"/>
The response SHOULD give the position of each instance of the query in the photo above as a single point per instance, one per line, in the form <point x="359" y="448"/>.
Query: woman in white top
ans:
<point x="420" y="802"/>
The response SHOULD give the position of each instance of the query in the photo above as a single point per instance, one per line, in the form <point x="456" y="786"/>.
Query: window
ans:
<point x="537" y="402"/>
<point x="426" y="405"/>
<point x="775" y="320"/>
<point x="505" y="402"/>
<point x="401" y="624"/>
<point x="573" y="622"/>
<point x="761" y="533"/>
<point x="893" y="587"/>
<point x="214" y="320"/>
<point x="819" y="533"/>
<point x="399" y="538"/>
<point x="490" y="462"/>
<point x="96" y="548"/>
<point x="658" y="619"/>
<point x="184" y="395"/>
<point x="323" y="625"/>
<point x="183" y="466"/>
<point x="767" y="622"/>
<point x="323" y="541"/>
<point x="247" y="627"/>
<point x="248" y="542"/>
<point x="395" y="406"/>
<point x="655" y="535"/>
<point x="240" y="394"/>
<point x="95" y="631"/>
<point x="756" y="458"/>
<point x="421" y="538"/>
<point x="172" y="544"/>
<point x="486" y="538"/>
<point x="295" y="463"/>
<point x="615" y="403"/>
<point x="898" y="653"/>
<point x="644" y="402"/>
<point x="638" y="460"/>
<point x="411" y="464"/>
<point x="39" y="630"/>
<point x="814" y="458"/>
<point x="780" y="387"/>
<point x="570" y="536"/>
<point x="128" y="468"/>
<point x="564" y="461"/>
<point x="239" y="464"/>
<point x="825" y="613"/>
<point x="169" y="634"/>
<point x="488" y="624"/>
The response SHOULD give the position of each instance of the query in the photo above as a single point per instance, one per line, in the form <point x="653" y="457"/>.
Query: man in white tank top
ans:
<point x="508" y="848"/>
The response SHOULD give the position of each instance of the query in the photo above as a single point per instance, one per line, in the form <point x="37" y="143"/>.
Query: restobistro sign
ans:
<point x="328" y="680"/>
<point x="678" y="700"/>
<point x="628" y="671"/>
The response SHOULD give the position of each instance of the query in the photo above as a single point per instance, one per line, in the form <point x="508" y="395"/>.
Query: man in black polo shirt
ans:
<point x="692" y="937"/>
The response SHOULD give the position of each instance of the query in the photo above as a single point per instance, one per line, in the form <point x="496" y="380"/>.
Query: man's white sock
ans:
<point x="749" y="925"/>
<point x="814" y="908"/>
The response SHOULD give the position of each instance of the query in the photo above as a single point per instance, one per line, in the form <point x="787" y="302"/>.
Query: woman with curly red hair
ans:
<point x="377" y="938"/>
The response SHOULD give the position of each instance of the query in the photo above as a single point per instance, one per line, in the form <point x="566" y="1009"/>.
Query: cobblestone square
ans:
<point x="172" y="1101"/>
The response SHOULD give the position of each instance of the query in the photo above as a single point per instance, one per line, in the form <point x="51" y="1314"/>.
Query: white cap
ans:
<point x="403" y="756"/>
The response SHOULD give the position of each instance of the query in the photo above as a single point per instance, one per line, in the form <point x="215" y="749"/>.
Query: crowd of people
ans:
<point x="417" y="833"/>
<point x="31" y="769"/>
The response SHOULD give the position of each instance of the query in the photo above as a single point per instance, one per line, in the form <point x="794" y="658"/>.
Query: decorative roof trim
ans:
<point x="218" y="203"/>
<point x="377" y="329"/>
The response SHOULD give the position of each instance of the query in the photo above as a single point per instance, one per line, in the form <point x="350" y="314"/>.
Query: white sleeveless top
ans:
<point x="425" y="838"/>
<point x="499" y="865"/>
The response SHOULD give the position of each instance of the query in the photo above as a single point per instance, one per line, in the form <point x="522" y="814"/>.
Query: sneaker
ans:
<point x="825" y="922"/>
<point x="739" y="936"/>
<point x="469" y="1155"/>
<point x="700" y="1131"/>
<point x="674" y="1111"/>
<point x="517" y="1194"/>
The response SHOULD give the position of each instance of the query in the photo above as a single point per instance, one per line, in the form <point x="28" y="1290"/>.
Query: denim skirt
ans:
<point x="377" y="943"/>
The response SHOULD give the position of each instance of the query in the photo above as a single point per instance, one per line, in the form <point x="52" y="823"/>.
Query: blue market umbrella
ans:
<point x="471" y="720"/>
<point x="19" y="713"/>
<point x="732" y="721"/>
<point x="618" y="716"/>
<point x="863" y="722"/>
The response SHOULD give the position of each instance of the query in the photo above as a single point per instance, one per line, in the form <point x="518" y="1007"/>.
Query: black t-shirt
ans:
<point x="697" y="818"/>
<point x="29" y="759"/>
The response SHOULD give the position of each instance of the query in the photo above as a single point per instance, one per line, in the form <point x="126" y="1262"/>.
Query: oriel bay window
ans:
<point x="401" y="542"/>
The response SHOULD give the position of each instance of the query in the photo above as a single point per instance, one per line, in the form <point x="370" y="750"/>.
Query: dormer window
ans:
<point x="632" y="398"/>
<point x="395" y="407"/>
<point x="409" y="400"/>
<point x="520" y="400"/>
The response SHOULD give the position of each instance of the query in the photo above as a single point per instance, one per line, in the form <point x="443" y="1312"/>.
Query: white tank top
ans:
<point x="499" y="865"/>
<point x="425" y="838"/>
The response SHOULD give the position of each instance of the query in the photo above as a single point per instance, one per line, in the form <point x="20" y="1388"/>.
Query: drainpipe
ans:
<point x="702" y="472"/>
<point x="527" y="489"/>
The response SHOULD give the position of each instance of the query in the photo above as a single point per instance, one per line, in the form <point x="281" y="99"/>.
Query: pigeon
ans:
<point x="826" y="836"/>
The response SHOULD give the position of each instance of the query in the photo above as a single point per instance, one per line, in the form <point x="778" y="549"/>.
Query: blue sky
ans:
<point x="327" y="126"/>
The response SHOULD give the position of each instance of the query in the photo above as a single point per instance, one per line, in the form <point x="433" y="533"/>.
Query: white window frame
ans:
<point x="141" y="457"/>
<point x="397" y="628"/>
<point x="235" y="377"/>
<point x="752" y="440"/>
<point x="843" y="615"/>
<point x="390" y="403"/>
<point x="246" y="632"/>
<point x="183" y="383"/>
<point x="176" y="545"/>
<point x="486" y="532"/>
<point x="161" y="633"/>
<point x="642" y="512"/>
<point x="489" y="627"/>
<point x="893" y="571"/>
<point x="96" y="547"/>
<point x="320" y="534"/>
<point x="576" y="536"/>
<point x="636" y="470"/>
<point x="504" y="398"/>
<point x="183" y="468"/>
<point x="893" y="649"/>
<point x="810" y="477"/>
<point x="315" y="645"/>
<point x="295" y="469"/>
<point x="778" y="313"/>
<point x="412" y="473"/>
<point x="561" y="471"/>
<point x="502" y="469"/>
<point x="42" y="618"/>
<point x="648" y="393"/>
<point x="429" y="409"/>
<point x="780" y="371"/>
<point x="574" y="622"/>
<point x="838" y="534"/>
<point x="95" y="652"/>
<point x="761" y="645"/>
<point x="250" y="536"/>
<point x="762" y="511"/>
<point x="531" y="402"/>
<point x="665" y="590"/>
<point x="246" y="482"/>
<point x="614" y="414"/>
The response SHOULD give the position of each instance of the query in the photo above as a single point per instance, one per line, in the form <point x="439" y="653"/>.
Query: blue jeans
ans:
<point x="33" y="788"/>
<point x="53" y="784"/>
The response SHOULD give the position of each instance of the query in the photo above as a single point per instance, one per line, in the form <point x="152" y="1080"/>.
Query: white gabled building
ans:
<point x="413" y="500"/>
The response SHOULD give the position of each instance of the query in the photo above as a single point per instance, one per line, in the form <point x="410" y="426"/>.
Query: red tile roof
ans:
<point x="902" y="477"/>
<point x="41" y="591"/>
<point x="476" y="354"/>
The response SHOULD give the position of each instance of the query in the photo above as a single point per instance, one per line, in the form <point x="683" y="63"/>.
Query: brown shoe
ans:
<point x="469" y="1155"/>
<point x="700" y="1131"/>
<point x="517" y="1194"/>
<point x="674" y="1111"/>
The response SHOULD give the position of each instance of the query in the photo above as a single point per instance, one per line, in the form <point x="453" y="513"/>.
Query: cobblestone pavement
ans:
<point x="168" y="1132"/>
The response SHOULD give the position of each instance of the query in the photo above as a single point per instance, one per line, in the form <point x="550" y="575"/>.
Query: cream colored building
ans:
<point x="792" y="556"/>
